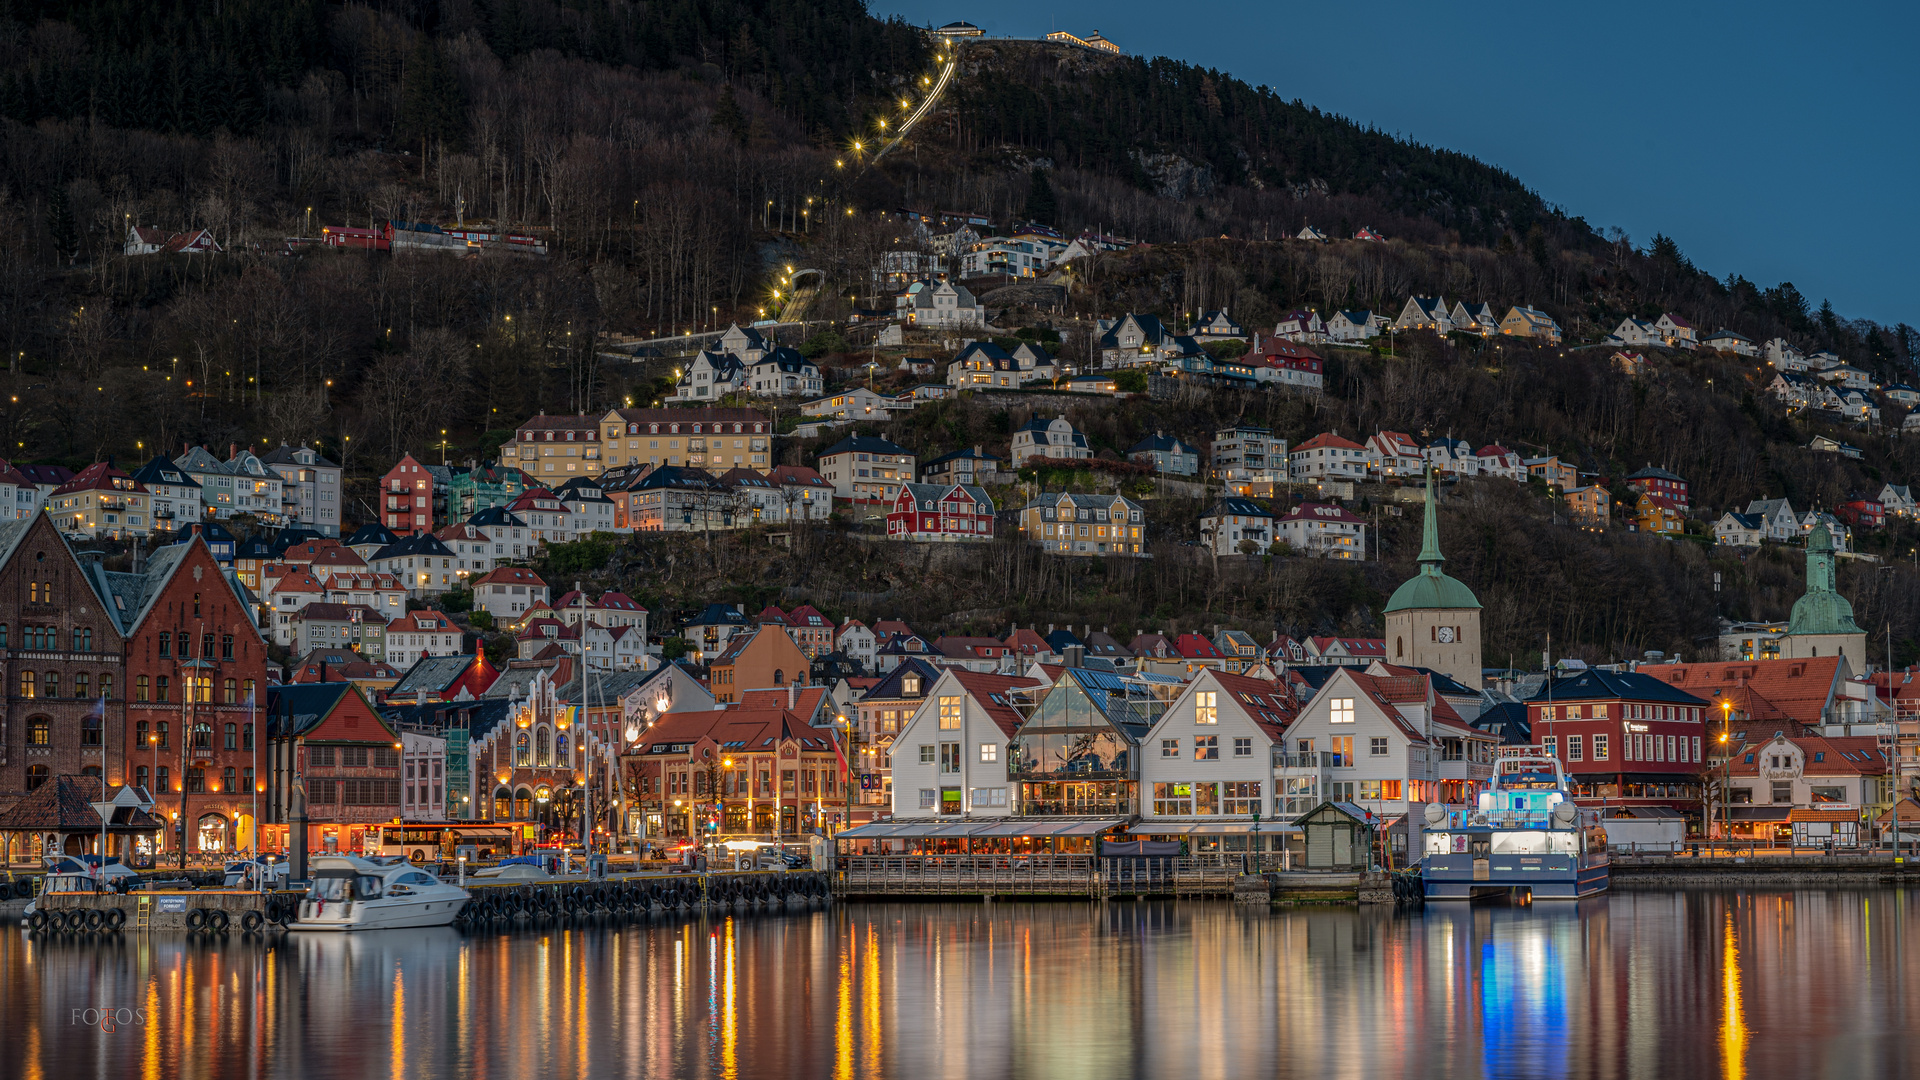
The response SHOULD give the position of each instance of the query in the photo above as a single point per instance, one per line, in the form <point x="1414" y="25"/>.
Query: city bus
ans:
<point x="480" y="841"/>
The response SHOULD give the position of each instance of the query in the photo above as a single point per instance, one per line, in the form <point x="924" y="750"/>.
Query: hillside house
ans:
<point x="1675" y="332"/>
<point x="1531" y="323"/>
<point x="1248" y="454"/>
<point x="1309" y="233"/>
<point x="1217" y="326"/>
<point x="983" y="365"/>
<point x="1327" y="457"/>
<point x="1783" y="356"/>
<point x="1137" y="340"/>
<point x="1555" y="472"/>
<point x="1862" y="513"/>
<point x="1726" y="341"/>
<point x="867" y="469"/>
<point x="1589" y="507"/>
<point x="1045" y="442"/>
<point x="1659" y="514"/>
<point x="859" y="403"/>
<point x="1235" y="526"/>
<point x="1348" y="326"/>
<point x="1655" y="481"/>
<point x="971" y="465"/>
<point x="1425" y="313"/>
<point x="1496" y="460"/>
<point x="1778" y="521"/>
<point x="1166" y="454"/>
<point x="1821" y="444"/>
<point x="784" y="373"/>
<point x="945" y="306"/>
<point x="710" y="376"/>
<point x="1738" y="530"/>
<point x="1475" y="318"/>
<point x="1393" y="455"/>
<point x="1634" y="333"/>
<point x="1304" y="326"/>
<point x="1323" y="530"/>
<point x="1451" y="457"/>
<point x="1287" y="363"/>
<point x="1898" y="500"/>
<point x="1076" y="524"/>
<point x="941" y="513"/>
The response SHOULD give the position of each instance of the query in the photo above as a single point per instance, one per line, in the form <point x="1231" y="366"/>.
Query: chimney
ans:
<point x="1075" y="656"/>
<point x="793" y="695"/>
<point x="1049" y="629"/>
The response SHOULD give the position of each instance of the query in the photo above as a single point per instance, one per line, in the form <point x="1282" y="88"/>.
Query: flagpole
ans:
<point x="104" y="744"/>
<point x="253" y="721"/>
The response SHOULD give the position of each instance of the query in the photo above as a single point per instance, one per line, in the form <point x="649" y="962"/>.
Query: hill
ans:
<point x="676" y="156"/>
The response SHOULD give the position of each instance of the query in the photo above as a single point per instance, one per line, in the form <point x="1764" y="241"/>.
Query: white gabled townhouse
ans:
<point x="1354" y="326"/>
<point x="1632" y="331"/>
<point x="1207" y="765"/>
<point x="1387" y="743"/>
<point x="951" y="758"/>
<point x="1393" y="455"/>
<point x="1425" y="313"/>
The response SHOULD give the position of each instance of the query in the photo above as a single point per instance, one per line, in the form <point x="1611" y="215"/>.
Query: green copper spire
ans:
<point x="1431" y="589"/>
<point x="1822" y="610"/>
<point x="1430" y="557"/>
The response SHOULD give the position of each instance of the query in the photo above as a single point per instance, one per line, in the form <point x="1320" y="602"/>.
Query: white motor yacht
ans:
<point x="351" y="893"/>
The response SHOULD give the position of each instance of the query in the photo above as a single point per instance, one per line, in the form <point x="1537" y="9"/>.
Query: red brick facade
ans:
<point x="193" y="659"/>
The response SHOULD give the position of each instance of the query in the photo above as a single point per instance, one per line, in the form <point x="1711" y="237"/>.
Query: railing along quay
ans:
<point x="1046" y="875"/>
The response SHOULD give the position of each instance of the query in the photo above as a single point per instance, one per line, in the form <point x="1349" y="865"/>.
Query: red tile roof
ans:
<point x="990" y="693"/>
<point x="1768" y="691"/>
<point x="1328" y="440"/>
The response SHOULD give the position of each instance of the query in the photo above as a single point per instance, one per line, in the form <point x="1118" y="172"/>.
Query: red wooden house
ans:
<point x="941" y="513"/>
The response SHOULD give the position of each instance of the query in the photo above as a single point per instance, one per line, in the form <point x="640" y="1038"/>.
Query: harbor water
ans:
<point x="1631" y="984"/>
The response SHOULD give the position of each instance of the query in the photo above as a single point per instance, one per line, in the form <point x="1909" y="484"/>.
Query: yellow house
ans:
<point x="1589" y="507"/>
<point x="1532" y="323"/>
<point x="1659" y="514"/>
<point x="102" y="501"/>
<point x="554" y="449"/>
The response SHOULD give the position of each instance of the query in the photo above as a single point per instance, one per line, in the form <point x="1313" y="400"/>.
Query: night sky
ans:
<point x="1773" y="140"/>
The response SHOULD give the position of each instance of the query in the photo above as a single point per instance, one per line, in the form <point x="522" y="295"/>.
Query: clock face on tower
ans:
<point x="1446" y="635"/>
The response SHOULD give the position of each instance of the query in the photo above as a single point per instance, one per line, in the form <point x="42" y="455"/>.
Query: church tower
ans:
<point x="1822" y="620"/>
<point x="1433" y="621"/>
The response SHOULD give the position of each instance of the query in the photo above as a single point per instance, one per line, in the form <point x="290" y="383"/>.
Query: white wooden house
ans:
<point x="1207" y="763"/>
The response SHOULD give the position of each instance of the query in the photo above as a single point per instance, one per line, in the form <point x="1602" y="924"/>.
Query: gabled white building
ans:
<point x="1387" y="743"/>
<point x="951" y="758"/>
<point x="1207" y="765"/>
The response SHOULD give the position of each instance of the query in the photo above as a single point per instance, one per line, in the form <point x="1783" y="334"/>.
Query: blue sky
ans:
<point x="1775" y="140"/>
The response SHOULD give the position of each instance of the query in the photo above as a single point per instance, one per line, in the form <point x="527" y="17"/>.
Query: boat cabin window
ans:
<point x="368" y="887"/>
<point x="330" y="888"/>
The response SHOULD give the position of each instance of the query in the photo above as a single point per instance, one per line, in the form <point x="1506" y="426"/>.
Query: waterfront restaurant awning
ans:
<point x="1211" y="828"/>
<point x="949" y="829"/>
<point x="1761" y="813"/>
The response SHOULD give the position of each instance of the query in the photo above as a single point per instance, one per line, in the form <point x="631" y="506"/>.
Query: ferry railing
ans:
<point x="1499" y="819"/>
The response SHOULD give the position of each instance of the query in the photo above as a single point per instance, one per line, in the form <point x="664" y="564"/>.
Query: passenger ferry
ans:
<point x="1526" y="833"/>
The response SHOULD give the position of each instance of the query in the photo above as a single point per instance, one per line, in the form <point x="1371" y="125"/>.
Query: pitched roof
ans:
<point x="990" y="692"/>
<point x="1328" y="439"/>
<point x="1768" y="691"/>
<point x="1598" y="683"/>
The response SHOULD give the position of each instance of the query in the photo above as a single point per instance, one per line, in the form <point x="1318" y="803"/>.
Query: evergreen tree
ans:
<point x="728" y="117"/>
<point x="1041" y="205"/>
<point x="62" y="231"/>
<point x="432" y="106"/>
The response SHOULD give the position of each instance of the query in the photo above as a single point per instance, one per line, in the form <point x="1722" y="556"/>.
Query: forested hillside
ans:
<point x="675" y="155"/>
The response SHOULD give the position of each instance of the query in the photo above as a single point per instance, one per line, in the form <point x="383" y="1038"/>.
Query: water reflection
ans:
<point x="1689" y="984"/>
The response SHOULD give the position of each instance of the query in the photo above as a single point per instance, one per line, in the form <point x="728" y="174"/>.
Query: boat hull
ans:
<point x="1543" y="877"/>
